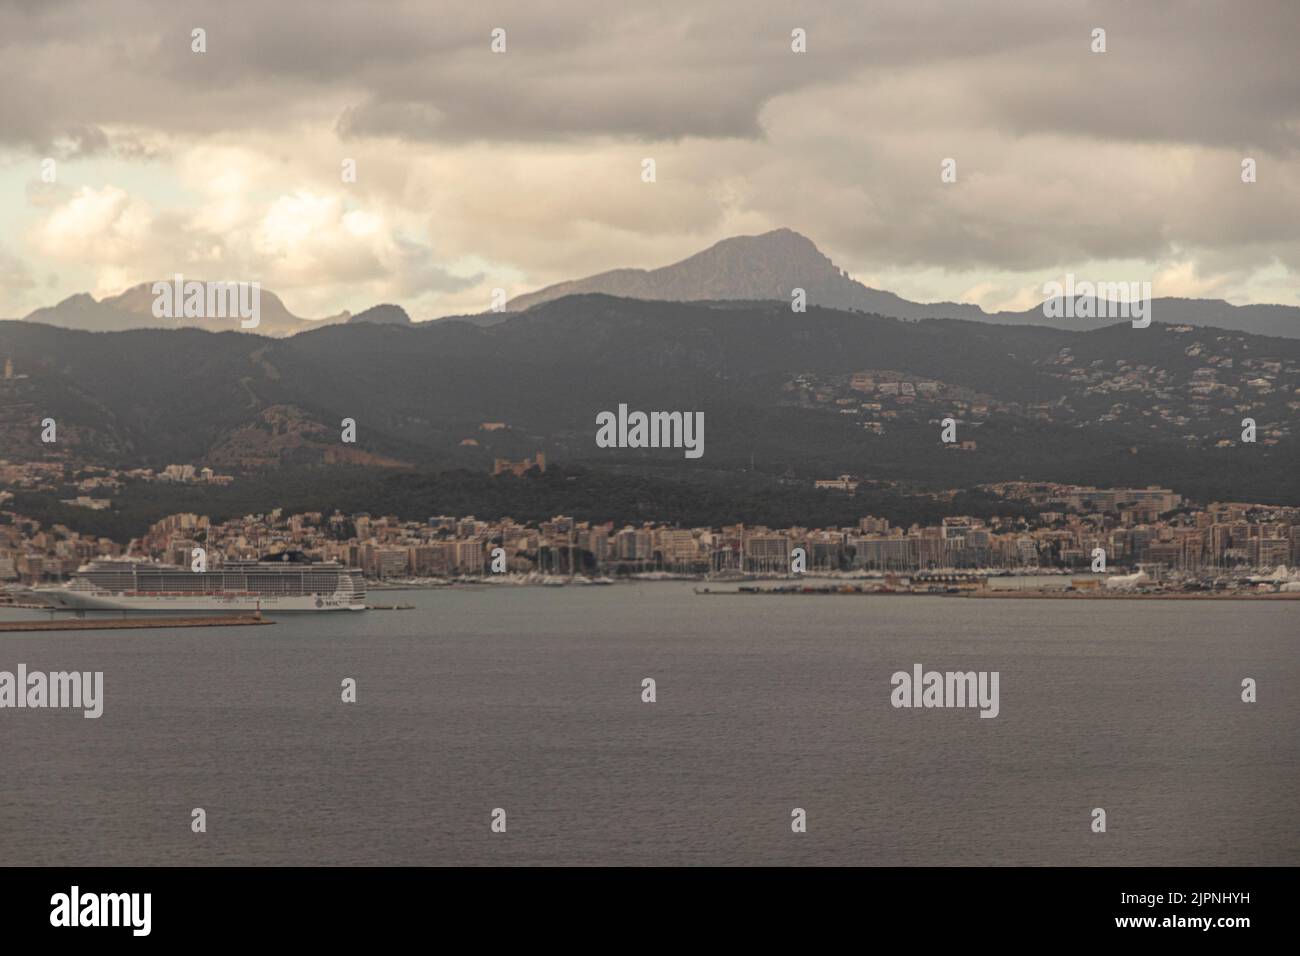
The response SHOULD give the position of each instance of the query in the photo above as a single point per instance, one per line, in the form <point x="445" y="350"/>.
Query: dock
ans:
<point x="1017" y="594"/>
<point x="133" y="623"/>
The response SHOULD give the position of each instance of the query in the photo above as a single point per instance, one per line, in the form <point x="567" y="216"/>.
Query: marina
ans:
<point x="1069" y="594"/>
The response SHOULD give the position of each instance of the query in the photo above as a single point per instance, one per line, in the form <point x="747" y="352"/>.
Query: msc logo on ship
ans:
<point x="320" y="603"/>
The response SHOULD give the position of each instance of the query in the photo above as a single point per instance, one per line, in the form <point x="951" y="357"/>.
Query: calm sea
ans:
<point x="529" y="699"/>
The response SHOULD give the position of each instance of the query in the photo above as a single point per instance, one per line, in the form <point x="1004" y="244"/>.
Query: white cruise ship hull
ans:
<point x="104" y="601"/>
<point x="288" y="582"/>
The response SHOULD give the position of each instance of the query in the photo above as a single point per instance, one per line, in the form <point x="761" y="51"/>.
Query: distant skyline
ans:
<point x="520" y="169"/>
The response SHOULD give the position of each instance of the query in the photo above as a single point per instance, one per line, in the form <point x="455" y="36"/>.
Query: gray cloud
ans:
<point x="1064" y="155"/>
<point x="1213" y="74"/>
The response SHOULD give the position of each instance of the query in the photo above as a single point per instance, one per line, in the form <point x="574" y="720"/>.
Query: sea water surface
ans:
<point x="530" y="700"/>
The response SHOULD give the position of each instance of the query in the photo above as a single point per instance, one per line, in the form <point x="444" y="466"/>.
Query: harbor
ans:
<point x="976" y="584"/>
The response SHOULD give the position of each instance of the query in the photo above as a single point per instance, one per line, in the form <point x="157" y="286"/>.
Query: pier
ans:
<point x="133" y="623"/>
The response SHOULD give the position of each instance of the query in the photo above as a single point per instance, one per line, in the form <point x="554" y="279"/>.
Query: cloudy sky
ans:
<point x="478" y="169"/>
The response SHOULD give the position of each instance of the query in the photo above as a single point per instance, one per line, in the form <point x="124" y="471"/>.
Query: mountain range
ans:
<point x="766" y="267"/>
<point x="771" y="265"/>
<point x="133" y="309"/>
<point x="788" y="396"/>
<point x="747" y="268"/>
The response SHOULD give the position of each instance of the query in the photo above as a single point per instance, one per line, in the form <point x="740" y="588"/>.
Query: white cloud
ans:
<point x="105" y="225"/>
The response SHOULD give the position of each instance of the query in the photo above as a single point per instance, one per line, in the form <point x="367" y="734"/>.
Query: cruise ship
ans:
<point x="288" y="581"/>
